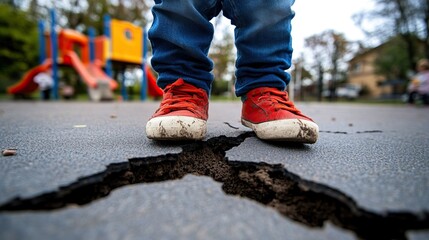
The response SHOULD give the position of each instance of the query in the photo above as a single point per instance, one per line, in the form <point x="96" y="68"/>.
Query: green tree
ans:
<point x="329" y="50"/>
<point x="12" y="3"/>
<point x="18" y="45"/>
<point x="93" y="16"/>
<point x="394" y="64"/>
<point x="393" y="61"/>
<point x="82" y="14"/>
<point x="317" y="46"/>
<point x="34" y="10"/>
<point x="407" y="19"/>
<point x="221" y="53"/>
<point x="134" y="11"/>
<point x="223" y="56"/>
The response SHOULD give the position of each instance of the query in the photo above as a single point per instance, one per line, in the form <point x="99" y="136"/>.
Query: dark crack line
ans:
<point x="358" y="132"/>
<point x="229" y="125"/>
<point x="307" y="202"/>
<point x="370" y="131"/>
<point x="334" y="132"/>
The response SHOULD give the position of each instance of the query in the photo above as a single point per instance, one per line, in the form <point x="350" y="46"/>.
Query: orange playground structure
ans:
<point x="91" y="57"/>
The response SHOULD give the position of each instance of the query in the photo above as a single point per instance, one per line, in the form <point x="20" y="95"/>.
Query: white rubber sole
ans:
<point x="288" y="130"/>
<point x="176" y="128"/>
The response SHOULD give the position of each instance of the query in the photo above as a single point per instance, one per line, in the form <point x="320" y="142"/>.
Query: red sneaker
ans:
<point x="270" y="114"/>
<point x="182" y="114"/>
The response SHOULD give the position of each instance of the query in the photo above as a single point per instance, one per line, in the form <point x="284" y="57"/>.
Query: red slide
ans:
<point x="90" y="74"/>
<point x="98" y="73"/>
<point x="152" y="89"/>
<point x="26" y="84"/>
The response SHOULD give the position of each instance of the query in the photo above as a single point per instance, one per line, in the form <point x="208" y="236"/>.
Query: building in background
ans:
<point x="362" y="72"/>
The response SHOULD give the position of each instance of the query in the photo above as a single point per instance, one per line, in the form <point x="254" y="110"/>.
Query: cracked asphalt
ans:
<point x="373" y="156"/>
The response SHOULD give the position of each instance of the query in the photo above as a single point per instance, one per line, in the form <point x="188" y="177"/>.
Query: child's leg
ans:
<point x="181" y="35"/>
<point x="263" y="42"/>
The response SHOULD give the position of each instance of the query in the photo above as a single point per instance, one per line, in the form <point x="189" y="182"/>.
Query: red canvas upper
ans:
<point x="269" y="104"/>
<point x="183" y="99"/>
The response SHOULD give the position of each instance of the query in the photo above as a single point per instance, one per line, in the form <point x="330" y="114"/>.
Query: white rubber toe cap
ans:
<point x="290" y="130"/>
<point x="176" y="128"/>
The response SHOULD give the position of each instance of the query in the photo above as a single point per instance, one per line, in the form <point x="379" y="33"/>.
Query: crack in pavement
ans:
<point x="230" y="125"/>
<point x="358" y="132"/>
<point x="304" y="201"/>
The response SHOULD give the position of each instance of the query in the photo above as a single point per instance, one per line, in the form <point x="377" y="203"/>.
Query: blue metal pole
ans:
<point x="123" y="87"/>
<point x="42" y="43"/>
<point x="54" y="50"/>
<point x="91" y="33"/>
<point x="107" y="33"/>
<point x="143" y="87"/>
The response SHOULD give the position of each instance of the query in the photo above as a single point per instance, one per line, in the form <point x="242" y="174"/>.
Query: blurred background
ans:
<point x="362" y="51"/>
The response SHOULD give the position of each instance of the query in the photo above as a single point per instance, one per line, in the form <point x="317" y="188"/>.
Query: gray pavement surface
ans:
<point x="376" y="155"/>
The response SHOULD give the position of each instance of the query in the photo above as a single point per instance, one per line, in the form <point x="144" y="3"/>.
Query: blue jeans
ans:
<point x="181" y="35"/>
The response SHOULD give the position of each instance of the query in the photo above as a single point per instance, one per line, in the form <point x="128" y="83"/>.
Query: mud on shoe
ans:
<point x="272" y="116"/>
<point x="182" y="114"/>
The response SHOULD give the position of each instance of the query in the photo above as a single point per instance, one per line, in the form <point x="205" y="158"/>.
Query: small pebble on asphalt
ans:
<point x="8" y="152"/>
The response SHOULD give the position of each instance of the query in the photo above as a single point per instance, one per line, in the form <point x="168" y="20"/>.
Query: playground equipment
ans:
<point x="122" y="43"/>
<point x="125" y="43"/>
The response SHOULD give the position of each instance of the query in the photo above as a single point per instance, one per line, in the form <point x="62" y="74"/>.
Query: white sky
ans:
<point x="315" y="16"/>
